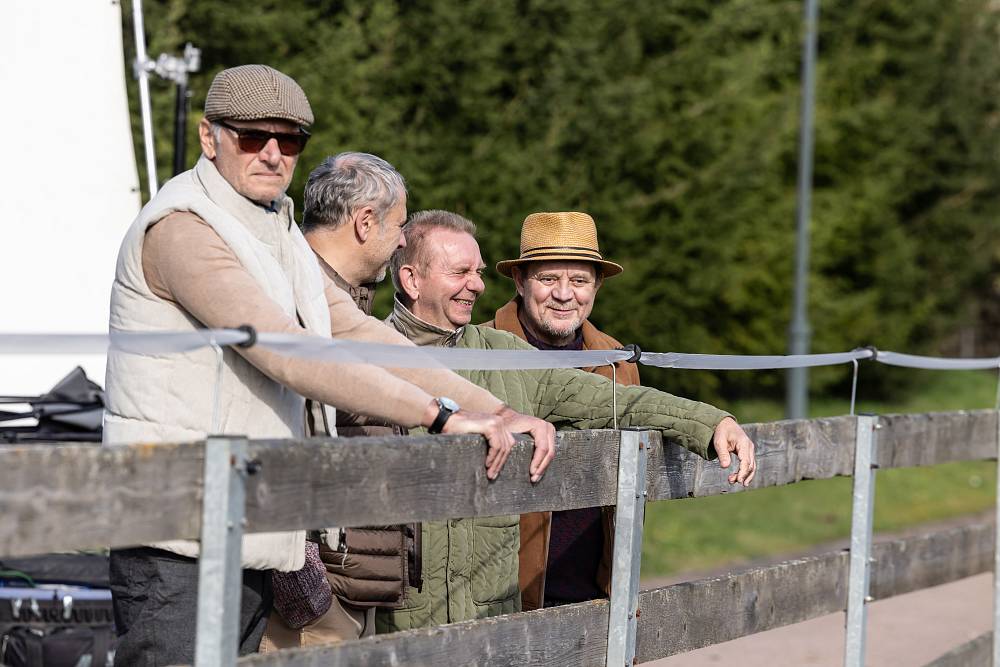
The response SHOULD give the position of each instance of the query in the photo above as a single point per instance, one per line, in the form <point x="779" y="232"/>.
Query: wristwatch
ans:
<point x="446" y="408"/>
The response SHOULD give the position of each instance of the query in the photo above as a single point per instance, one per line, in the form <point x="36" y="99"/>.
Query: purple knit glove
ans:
<point x="303" y="596"/>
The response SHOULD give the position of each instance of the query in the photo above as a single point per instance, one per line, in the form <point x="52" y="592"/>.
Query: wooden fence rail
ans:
<point x="77" y="496"/>
<point x="71" y="496"/>
<point x="675" y="619"/>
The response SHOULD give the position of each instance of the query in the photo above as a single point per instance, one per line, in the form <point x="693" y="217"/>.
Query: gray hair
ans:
<point x="416" y="230"/>
<point x="343" y="183"/>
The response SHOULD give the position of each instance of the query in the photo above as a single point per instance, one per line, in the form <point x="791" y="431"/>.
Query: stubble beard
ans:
<point x="560" y="333"/>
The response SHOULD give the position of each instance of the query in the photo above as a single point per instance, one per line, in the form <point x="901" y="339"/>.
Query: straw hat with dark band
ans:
<point x="564" y="235"/>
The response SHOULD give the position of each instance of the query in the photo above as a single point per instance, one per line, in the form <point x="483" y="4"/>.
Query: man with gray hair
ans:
<point x="355" y="209"/>
<point x="355" y="213"/>
<point x="218" y="247"/>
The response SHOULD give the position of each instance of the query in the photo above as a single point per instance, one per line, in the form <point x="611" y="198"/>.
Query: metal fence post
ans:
<point x="996" y="555"/>
<point x="633" y="450"/>
<point x="220" y="577"/>
<point x="861" y="540"/>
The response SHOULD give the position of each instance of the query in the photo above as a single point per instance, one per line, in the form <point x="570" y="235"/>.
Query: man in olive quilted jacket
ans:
<point x="470" y="566"/>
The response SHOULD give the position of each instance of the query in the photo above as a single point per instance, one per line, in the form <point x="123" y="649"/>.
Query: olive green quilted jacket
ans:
<point x="470" y="565"/>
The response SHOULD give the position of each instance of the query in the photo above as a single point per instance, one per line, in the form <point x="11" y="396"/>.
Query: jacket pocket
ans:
<point x="494" y="559"/>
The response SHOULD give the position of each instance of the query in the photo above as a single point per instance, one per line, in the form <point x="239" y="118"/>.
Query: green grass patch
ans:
<point x="708" y="533"/>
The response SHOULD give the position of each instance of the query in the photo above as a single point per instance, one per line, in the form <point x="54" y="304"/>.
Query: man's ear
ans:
<point x="518" y="276"/>
<point x="206" y="138"/>
<point x="408" y="281"/>
<point x="364" y="222"/>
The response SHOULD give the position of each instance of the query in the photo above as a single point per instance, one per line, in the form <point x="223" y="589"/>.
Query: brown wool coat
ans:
<point x="533" y="556"/>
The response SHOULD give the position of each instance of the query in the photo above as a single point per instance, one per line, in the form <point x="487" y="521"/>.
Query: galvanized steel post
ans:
<point x="799" y="333"/>
<point x="861" y="540"/>
<point x="996" y="555"/>
<point x="633" y="450"/>
<point x="220" y="577"/>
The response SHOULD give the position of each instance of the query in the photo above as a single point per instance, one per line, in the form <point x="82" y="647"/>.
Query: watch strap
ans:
<point x="442" y="418"/>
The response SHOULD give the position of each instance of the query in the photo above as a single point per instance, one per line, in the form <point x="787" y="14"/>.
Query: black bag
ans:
<point x="24" y="646"/>
<point x="57" y="625"/>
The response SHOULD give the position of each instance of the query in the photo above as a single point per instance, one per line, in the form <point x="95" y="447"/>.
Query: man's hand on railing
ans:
<point x="542" y="433"/>
<point x="492" y="427"/>
<point x="730" y="437"/>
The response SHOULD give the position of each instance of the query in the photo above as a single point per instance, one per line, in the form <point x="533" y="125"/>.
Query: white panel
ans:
<point x="71" y="182"/>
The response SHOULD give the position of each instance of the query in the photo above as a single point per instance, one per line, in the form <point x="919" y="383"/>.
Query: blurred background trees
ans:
<point x="675" y="125"/>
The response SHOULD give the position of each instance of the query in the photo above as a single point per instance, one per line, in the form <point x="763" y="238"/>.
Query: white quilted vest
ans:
<point x="169" y="397"/>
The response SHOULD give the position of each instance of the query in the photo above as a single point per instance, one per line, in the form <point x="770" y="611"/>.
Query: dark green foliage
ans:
<point x="675" y="125"/>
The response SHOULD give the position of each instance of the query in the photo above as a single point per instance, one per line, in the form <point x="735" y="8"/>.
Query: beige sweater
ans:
<point x="185" y="261"/>
<point x="219" y="260"/>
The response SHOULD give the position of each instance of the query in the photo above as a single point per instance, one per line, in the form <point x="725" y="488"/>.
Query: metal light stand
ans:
<point x="171" y="68"/>
<point x="176" y="69"/>
<point x="142" y="74"/>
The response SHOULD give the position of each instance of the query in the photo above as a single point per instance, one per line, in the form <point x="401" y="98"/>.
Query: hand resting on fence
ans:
<point x="731" y="438"/>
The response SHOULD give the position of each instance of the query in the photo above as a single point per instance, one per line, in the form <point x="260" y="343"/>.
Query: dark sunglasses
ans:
<point x="253" y="141"/>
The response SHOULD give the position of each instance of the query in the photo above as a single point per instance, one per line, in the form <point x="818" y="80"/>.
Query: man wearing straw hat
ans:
<point x="218" y="247"/>
<point x="565" y="556"/>
<point x="470" y="566"/>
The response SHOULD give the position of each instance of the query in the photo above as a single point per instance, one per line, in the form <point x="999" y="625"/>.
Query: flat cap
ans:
<point x="256" y="92"/>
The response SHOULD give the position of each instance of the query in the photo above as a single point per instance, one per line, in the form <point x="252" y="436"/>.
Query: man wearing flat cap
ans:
<point x="566" y="556"/>
<point x="218" y="247"/>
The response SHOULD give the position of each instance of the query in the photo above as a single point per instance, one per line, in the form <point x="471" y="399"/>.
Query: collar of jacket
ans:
<point x="419" y="332"/>
<point x="363" y="295"/>
<point x="260" y="220"/>
<point x="507" y="319"/>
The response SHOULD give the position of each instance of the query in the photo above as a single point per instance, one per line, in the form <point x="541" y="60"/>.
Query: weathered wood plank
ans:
<point x="787" y="452"/>
<point x="59" y="498"/>
<point x="903" y="566"/>
<point x="570" y="636"/>
<point x="71" y="496"/>
<point x="377" y="481"/>
<point x="936" y="437"/>
<point x="673" y="620"/>
<point x="976" y="653"/>
<point x="692" y="615"/>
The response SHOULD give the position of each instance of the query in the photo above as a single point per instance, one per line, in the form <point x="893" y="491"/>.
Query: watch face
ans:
<point x="448" y="404"/>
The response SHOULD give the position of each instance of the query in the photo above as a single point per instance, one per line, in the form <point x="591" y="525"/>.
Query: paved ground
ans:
<point x="907" y="630"/>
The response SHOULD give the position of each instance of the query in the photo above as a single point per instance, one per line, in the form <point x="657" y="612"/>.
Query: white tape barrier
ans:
<point x="937" y="363"/>
<point x="164" y="342"/>
<point x="309" y="347"/>
<point x="399" y="356"/>
<point x="733" y="362"/>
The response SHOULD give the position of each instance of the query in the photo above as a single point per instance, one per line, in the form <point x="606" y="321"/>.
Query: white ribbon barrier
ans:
<point x="401" y="356"/>
<point x="937" y="363"/>
<point x="734" y="362"/>
<point x="137" y="342"/>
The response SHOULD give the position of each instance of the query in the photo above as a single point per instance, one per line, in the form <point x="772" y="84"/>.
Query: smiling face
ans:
<point x="444" y="290"/>
<point x="557" y="297"/>
<point x="261" y="177"/>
